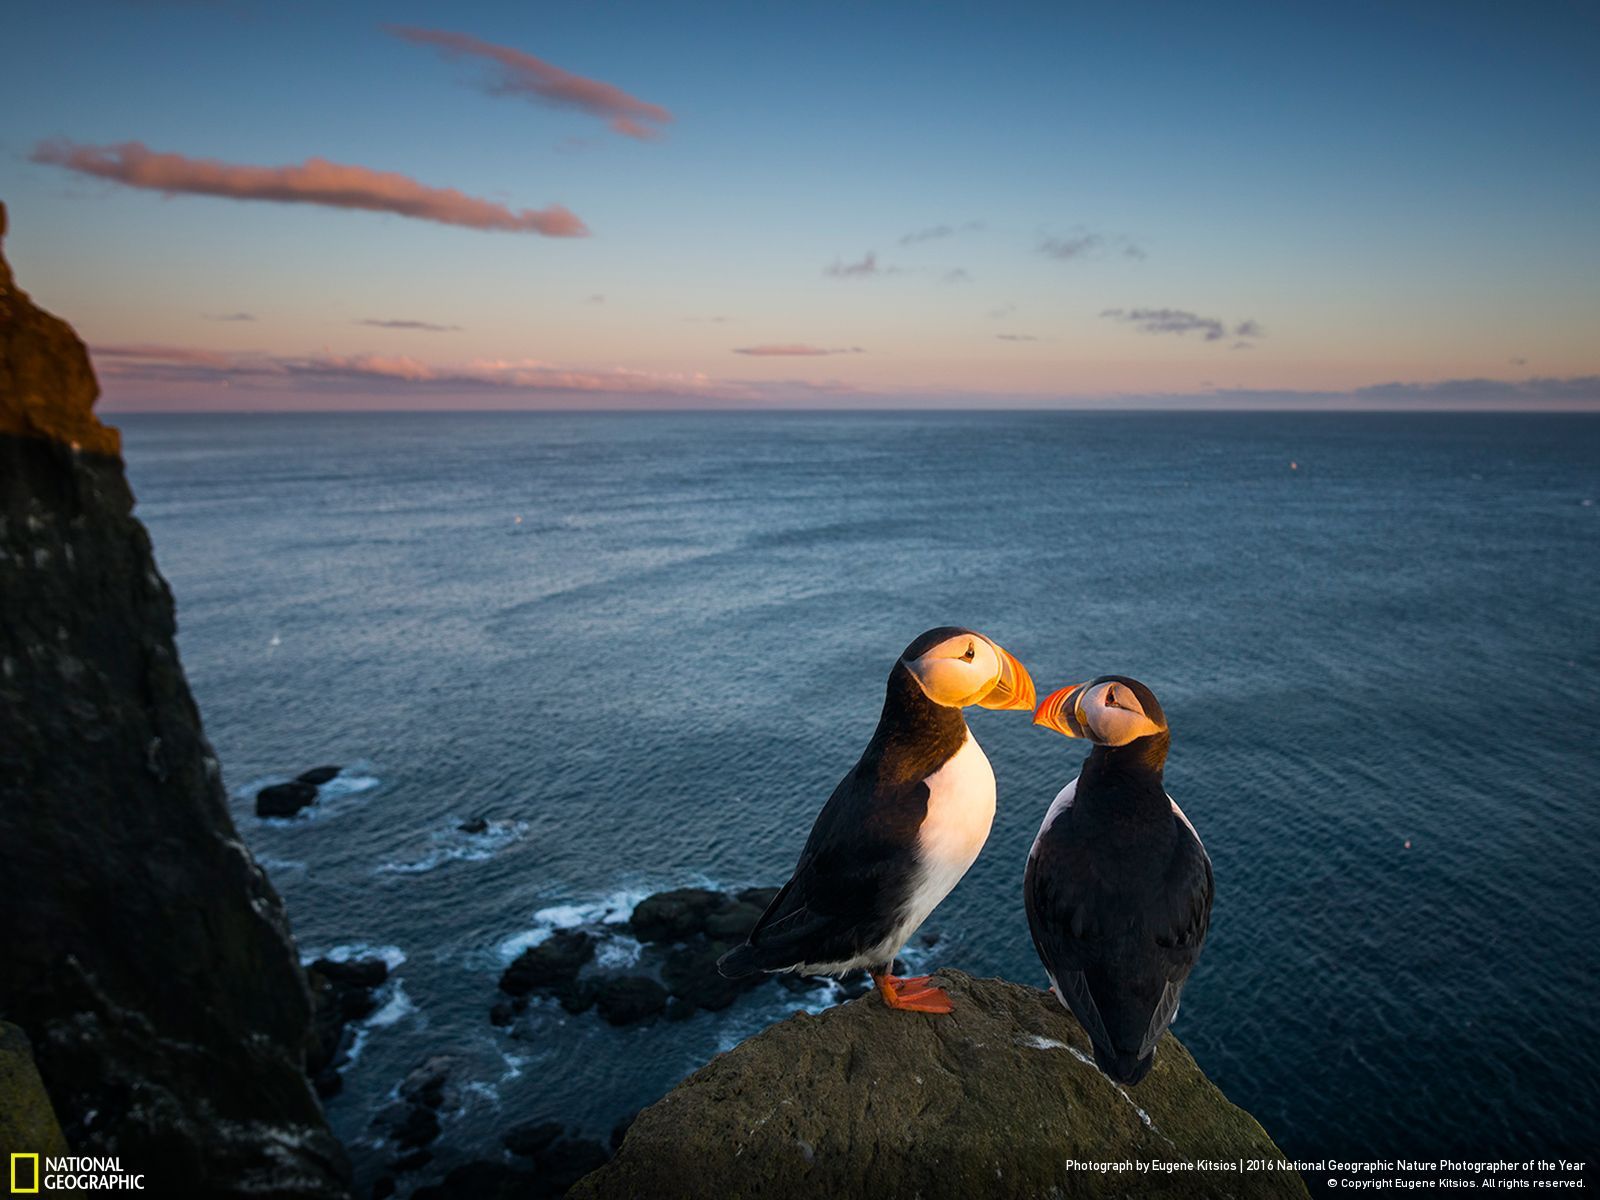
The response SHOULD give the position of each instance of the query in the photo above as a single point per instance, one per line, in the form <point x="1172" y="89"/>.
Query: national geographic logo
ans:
<point x="30" y="1175"/>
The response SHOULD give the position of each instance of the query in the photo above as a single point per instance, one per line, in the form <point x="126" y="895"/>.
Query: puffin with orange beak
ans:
<point x="900" y="829"/>
<point x="1118" y="887"/>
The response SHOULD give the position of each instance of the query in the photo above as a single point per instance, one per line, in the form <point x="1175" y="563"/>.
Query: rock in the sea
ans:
<point x="341" y="992"/>
<point x="475" y="825"/>
<point x="626" y="999"/>
<point x="285" y="799"/>
<point x="425" y="1084"/>
<point x="408" y="1125"/>
<point x="362" y="973"/>
<point x="675" y="915"/>
<point x="146" y="954"/>
<point x="992" y="1100"/>
<point x="690" y="973"/>
<point x="532" y="1137"/>
<point x="317" y="776"/>
<point x="551" y="965"/>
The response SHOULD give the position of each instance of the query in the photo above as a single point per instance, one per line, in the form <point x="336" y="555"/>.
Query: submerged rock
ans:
<point x="630" y="998"/>
<point x="475" y="825"/>
<point x="992" y="1100"/>
<point x="146" y="954"/>
<point x="317" y="776"/>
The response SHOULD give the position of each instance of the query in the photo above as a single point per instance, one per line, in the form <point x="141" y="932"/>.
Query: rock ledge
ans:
<point x="992" y="1101"/>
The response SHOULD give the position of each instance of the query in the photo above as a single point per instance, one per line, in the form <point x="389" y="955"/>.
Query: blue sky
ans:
<point x="1379" y="195"/>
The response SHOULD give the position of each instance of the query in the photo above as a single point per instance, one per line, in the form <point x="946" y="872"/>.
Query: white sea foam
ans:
<point x="618" y="953"/>
<point x="453" y="845"/>
<point x="392" y="956"/>
<point x="1044" y="1043"/>
<point x="514" y="1064"/>
<point x="613" y="909"/>
<point x="396" y="1005"/>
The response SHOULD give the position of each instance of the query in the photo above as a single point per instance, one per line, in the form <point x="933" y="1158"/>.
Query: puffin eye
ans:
<point x="1111" y="697"/>
<point x="971" y="653"/>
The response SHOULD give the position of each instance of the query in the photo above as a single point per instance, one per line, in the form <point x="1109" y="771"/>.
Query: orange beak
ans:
<point x="1059" y="711"/>
<point x="1014" y="688"/>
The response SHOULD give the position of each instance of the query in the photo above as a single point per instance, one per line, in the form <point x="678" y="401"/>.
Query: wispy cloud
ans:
<point x="934" y="233"/>
<point x="956" y="275"/>
<point x="1518" y="361"/>
<point x="1084" y="246"/>
<point x="419" y="326"/>
<point x="315" y="181"/>
<point x="236" y="316"/>
<point x="1001" y="311"/>
<point x="1181" y="321"/>
<point x="518" y="74"/>
<point x="866" y="267"/>
<point x="795" y="350"/>
<point x="167" y="365"/>
<point x="1016" y="337"/>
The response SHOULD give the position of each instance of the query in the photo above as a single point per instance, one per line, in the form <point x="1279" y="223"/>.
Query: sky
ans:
<point x="246" y="205"/>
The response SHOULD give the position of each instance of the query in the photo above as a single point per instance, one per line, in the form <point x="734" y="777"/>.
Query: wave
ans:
<point x="392" y="956"/>
<point x="613" y="909"/>
<point x="454" y="845"/>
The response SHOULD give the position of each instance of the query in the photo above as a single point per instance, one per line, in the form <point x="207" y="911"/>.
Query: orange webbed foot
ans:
<point x="911" y="995"/>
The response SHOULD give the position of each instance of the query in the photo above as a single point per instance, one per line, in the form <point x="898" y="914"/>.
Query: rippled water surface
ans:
<point x="645" y="648"/>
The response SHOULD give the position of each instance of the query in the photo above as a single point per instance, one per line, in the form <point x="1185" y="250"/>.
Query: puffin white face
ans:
<point x="1112" y="711"/>
<point x="956" y="668"/>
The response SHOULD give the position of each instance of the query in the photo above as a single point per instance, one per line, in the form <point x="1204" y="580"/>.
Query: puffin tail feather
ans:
<point x="1124" y="1068"/>
<point x="739" y="962"/>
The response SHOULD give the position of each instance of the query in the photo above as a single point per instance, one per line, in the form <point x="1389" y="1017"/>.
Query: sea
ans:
<point x="644" y="647"/>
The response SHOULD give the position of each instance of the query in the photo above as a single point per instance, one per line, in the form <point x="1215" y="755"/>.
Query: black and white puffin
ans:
<point x="900" y="829"/>
<point x="1118" y="887"/>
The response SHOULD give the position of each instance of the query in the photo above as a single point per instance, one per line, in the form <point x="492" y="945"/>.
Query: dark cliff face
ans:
<point x="145" y="954"/>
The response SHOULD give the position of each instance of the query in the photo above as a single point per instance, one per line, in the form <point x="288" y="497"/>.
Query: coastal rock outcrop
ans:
<point x="146" y="955"/>
<point x="998" y="1099"/>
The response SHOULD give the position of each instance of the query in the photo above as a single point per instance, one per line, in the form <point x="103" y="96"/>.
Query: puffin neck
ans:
<point x="915" y="736"/>
<point x="1132" y="770"/>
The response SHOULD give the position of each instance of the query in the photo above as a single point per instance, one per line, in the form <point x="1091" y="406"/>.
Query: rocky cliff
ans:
<point x="999" y="1099"/>
<point x="146" y="955"/>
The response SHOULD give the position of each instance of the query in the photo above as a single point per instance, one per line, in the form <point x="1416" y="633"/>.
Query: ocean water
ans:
<point x="646" y="647"/>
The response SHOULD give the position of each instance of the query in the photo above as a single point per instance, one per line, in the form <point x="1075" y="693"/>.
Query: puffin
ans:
<point x="1118" y="886"/>
<point x="900" y="829"/>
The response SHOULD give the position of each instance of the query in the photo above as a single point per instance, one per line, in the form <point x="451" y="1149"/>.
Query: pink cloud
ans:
<point x="168" y="365"/>
<point x="856" y="270"/>
<point x="523" y="74"/>
<point x="795" y="350"/>
<point x="315" y="181"/>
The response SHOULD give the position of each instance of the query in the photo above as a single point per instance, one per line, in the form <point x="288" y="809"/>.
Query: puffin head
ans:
<point x="1110" y="711"/>
<point x="956" y="667"/>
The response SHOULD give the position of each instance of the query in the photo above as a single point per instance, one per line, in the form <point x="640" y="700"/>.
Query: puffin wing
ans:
<point x="1059" y="888"/>
<point x="852" y="869"/>
<point x="1180" y="922"/>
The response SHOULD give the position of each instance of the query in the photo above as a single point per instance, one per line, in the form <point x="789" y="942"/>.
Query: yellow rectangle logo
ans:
<point x="16" y="1188"/>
